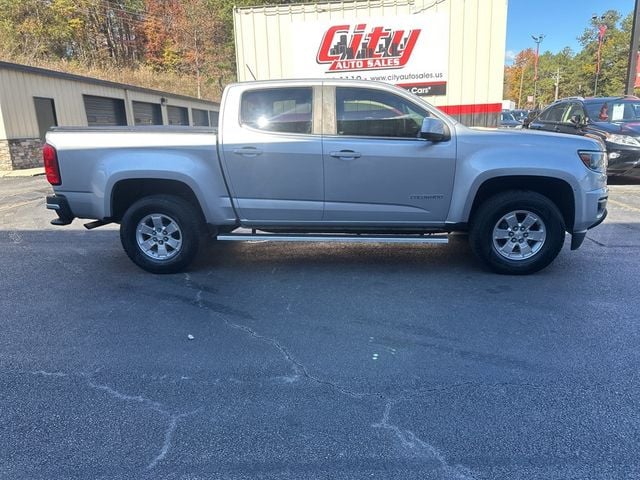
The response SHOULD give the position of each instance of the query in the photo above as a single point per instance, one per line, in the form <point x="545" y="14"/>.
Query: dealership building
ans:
<point x="32" y="100"/>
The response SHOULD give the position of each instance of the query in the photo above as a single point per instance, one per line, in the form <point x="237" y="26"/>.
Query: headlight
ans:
<point x="593" y="160"/>
<point x="623" y="140"/>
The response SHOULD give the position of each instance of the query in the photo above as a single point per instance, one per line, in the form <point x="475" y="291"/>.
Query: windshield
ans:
<point x="508" y="117"/>
<point x="614" y="111"/>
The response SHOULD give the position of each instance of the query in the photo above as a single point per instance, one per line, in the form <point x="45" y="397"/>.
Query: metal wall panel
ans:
<point x="18" y="114"/>
<point x="477" y="38"/>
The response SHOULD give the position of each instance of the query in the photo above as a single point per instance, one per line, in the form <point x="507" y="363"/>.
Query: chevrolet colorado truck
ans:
<point x="329" y="161"/>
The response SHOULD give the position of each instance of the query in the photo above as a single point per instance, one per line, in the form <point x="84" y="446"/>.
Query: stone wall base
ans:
<point x="20" y="153"/>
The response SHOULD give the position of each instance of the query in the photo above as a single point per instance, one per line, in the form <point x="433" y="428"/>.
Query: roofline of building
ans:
<point x="96" y="81"/>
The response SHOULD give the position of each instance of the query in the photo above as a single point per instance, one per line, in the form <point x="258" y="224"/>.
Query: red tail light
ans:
<point x="51" y="168"/>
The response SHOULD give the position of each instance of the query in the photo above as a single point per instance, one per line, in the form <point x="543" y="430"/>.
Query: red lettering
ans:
<point x="324" y="55"/>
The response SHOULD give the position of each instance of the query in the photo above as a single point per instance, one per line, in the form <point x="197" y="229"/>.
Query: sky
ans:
<point x="561" y="21"/>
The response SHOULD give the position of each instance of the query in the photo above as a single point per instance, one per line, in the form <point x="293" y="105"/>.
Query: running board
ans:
<point x="243" y="237"/>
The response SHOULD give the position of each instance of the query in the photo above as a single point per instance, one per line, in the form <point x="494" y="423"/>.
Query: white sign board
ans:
<point x="409" y="51"/>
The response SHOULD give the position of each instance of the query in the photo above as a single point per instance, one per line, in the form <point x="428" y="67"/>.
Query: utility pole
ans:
<point x="538" y="40"/>
<point x="633" y="51"/>
<point x="557" y="82"/>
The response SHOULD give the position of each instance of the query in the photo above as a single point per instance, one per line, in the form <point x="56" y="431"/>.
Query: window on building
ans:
<point x="370" y="112"/>
<point x="104" y="111"/>
<point x="200" y="117"/>
<point x="45" y="114"/>
<point x="178" y="115"/>
<point x="278" y="109"/>
<point x="145" y="113"/>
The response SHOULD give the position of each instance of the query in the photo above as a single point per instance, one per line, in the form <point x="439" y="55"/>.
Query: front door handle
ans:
<point x="345" y="154"/>
<point x="247" y="151"/>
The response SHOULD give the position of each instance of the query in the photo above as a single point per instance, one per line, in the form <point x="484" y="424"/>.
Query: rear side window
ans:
<point x="285" y="110"/>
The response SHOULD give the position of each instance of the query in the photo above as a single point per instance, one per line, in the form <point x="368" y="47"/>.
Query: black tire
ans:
<point x="190" y="233"/>
<point x="494" y="210"/>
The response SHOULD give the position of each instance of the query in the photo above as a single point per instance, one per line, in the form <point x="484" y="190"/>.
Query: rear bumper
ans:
<point x="60" y="204"/>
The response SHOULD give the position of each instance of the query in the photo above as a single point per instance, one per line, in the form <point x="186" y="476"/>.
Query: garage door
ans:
<point x="178" y="116"/>
<point x="200" y="117"/>
<point x="145" y="113"/>
<point x="104" y="111"/>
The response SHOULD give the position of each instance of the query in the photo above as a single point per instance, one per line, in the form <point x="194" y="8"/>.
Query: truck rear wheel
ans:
<point x="517" y="232"/>
<point x="161" y="233"/>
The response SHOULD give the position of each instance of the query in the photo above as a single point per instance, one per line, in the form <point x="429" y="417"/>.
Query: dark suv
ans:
<point x="615" y="120"/>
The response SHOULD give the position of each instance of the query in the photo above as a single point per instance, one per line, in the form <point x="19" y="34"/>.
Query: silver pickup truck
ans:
<point x="329" y="160"/>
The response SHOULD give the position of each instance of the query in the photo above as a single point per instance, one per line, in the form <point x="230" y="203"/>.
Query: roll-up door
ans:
<point x="146" y="113"/>
<point x="178" y="115"/>
<point x="104" y="111"/>
<point x="213" y="118"/>
<point x="200" y="117"/>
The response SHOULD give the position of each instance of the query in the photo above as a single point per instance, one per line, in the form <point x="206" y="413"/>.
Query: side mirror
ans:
<point x="576" y="120"/>
<point x="434" y="130"/>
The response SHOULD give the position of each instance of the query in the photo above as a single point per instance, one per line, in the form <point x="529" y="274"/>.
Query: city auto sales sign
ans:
<point x="408" y="51"/>
<point x="378" y="49"/>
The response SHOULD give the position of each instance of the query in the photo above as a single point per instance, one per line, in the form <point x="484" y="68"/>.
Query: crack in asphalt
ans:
<point x="150" y="404"/>
<point x="147" y="403"/>
<point x="410" y="442"/>
<point x="414" y="445"/>
<point x="298" y="368"/>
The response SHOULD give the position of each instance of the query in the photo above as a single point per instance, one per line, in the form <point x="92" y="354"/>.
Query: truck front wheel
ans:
<point x="161" y="233"/>
<point x="517" y="232"/>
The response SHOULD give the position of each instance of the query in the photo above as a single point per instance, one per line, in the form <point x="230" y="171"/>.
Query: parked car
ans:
<point x="614" y="120"/>
<point x="381" y="165"/>
<point x="519" y="114"/>
<point x="507" y="120"/>
<point x="531" y="116"/>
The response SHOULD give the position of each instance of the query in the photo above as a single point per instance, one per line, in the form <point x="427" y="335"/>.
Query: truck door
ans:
<point x="272" y="154"/>
<point x="377" y="169"/>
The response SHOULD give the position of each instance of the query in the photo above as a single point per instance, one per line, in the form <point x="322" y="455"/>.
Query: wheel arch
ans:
<point x="126" y="192"/>
<point x="557" y="190"/>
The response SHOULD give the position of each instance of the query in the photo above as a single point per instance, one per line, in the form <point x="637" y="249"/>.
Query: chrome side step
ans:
<point x="350" y="238"/>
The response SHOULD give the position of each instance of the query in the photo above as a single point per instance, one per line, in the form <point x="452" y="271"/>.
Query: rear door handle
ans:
<point x="247" y="151"/>
<point x="345" y="154"/>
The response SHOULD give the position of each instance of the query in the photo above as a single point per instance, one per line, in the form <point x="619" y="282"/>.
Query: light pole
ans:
<point x="633" y="51"/>
<point x="538" y="40"/>
<point x="602" y="30"/>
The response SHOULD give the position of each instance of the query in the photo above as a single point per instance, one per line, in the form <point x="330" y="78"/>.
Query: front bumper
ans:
<point x="623" y="160"/>
<point x="577" y="237"/>
<point x="60" y="204"/>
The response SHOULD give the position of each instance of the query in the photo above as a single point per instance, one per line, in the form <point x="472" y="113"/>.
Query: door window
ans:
<point x="574" y="109"/>
<point x="285" y="110"/>
<point x="554" y="113"/>
<point x="376" y="113"/>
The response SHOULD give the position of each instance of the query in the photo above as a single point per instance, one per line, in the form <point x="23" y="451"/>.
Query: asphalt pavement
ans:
<point x="311" y="361"/>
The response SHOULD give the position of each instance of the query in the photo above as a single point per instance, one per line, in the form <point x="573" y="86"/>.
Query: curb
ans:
<point x="26" y="172"/>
